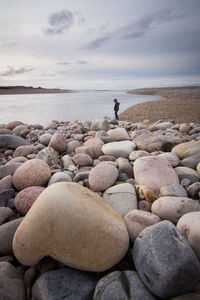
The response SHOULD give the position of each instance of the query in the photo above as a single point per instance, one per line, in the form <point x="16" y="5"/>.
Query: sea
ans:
<point x="81" y="106"/>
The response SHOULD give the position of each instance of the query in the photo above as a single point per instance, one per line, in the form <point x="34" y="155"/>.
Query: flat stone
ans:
<point x="19" y="159"/>
<point x="11" y="141"/>
<point x="154" y="172"/>
<point x="137" y="220"/>
<point x="67" y="161"/>
<point x="25" y="198"/>
<point x="5" y="196"/>
<point x="124" y="285"/>
<point x="156" y="254"/>
<point x="191" y="161"/>
<point x="13" y="124"/>
<point x="49" y="156"/>
<point x="12" y="286"/>
<point x="160" y="126"/>
<point x="158" y="142"/>
<point x="138" y="153"/>
<point x="118" y="134"/>
<point x="34" y="172"/>
<point x="184" y="150"/>
<point x="122" y="197"/>
<point x="185" y="172"/>
<point x="65" y="284"/>
<point x="102" y="177"/>
<point x="8" y="169"/>
<point x="173" y="208"/>
<point x="81" y="176"/>
<point x="7" y="231"/>
<point x="24" y="150"/>
<point x="119" y="149"/>
<point x="189" y="227"/>
<point x="83" y="230"/>
<point x="175" y="190"/>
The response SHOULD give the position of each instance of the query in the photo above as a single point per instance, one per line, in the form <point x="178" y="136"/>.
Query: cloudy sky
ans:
<point x="99" y="44"/>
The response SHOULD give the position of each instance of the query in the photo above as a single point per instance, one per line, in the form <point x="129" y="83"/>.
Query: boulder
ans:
<point x="160" y="263"/>
<point x="154" y="172"/>
<point x="119" y="149"/>
<point x="186" y="149"/>
<point x="118" y="134"/>
<point x="83" y="230"/>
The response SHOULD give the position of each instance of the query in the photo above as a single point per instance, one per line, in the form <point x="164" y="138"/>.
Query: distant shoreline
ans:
<point x="181" y="104"/>
<point x="16" y="90"/>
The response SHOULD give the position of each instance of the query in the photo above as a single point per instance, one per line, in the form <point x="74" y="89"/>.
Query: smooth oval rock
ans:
<point x="45" y="138"/>
<point x="118" y="134"/>
<point x="24" y="150"/>
<point x="25" y="198"/>
<point x="173" y="208"/>
<point x="158" y="261"/>
<point x="58" y="142"/>
<point x="184" y="150"/>
<point x="11" y="141"/>
<point x="122" y="197"/>
<point x="59" y="177"/>
<point x="189" y="225"/>
<point x="102" y="177"/>
<point x="34" y="172"/>
<point x="191" y="161"/>
<point x="95" y="144"/>
<point x="83" y="230"/>
<point x="137" y="220"/>
<point x="138" y="153"/>
<point x="175" y="190"/>
<point x="154" y="172"/>
<point x="119" y="149"/>
<point x="82" y="159"/>
<point x="185" y="172"/>
<point x="171" y="157"/>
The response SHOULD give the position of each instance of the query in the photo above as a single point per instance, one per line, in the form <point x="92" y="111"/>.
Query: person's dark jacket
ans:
<point x="116" y="106"/>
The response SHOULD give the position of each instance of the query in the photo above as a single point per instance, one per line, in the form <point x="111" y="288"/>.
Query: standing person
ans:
<point x="116" y="108"/>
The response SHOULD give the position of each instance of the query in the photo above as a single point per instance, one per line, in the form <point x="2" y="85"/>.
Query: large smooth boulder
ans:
<point x="189" y="225"/>
<point x="122" y="197"/>
<point x="173" y="208"/>
<point x="11" y="141"/>
<point x="184" y="150"/>
<point x="154" y="172"/>
<point x="83" y="230"/>
<point x="125" y="285"/>
<point x="34" y="172"/>
<point x="119" y="149"/>
<point x="118" y="134"/>
<point x="165" y="261"/>
<point x="66" y="283"/>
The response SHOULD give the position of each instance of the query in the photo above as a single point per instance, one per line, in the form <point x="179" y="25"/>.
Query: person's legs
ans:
<point x="116" y="116"/>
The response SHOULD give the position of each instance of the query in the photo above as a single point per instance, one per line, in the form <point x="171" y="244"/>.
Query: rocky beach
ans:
<point x="102" y="209"/>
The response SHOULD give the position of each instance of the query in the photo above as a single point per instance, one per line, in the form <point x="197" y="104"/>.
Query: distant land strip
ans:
<point x="12" y="90"/>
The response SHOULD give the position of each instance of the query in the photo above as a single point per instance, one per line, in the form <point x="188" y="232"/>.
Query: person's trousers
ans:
<point x="116" y="115"/>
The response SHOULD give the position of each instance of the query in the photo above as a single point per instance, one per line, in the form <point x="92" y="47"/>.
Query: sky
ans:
<point x="99" y="44"/>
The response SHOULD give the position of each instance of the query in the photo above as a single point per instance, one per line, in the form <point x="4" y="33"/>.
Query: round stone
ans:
<point x="95" y="144"/>
<point x="59" y="177"/>
<point x="83" y="230"/>
<point x="58" y="142"/>
<point x="34" y="172"/>
<point x="25" y="198"/>
<point x="102" y="177"/>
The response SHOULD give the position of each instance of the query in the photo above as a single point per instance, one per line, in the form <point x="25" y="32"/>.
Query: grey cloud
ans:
<point x="137" y="29"/>
<point x="59" y="22"/>
<point x="8" y="45"/>
<point x="82" y="62"/>
<point x="13" y="71"/>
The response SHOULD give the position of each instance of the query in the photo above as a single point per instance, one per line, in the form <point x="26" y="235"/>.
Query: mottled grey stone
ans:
<point x="67" y="283"/>
<point x="185" y="172"/>
<point x="125" y="285"/>
<point x="12" y="141"/>
<point x="165" y="262"/>
<point x="191" y="161"/>
<point x="193" y="190"/>
<point x="81" y="176"/>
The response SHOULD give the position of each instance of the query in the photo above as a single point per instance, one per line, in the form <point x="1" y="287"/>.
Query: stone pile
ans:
<point x="100" y="210"/>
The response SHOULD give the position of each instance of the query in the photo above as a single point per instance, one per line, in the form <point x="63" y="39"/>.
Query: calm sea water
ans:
<point x="84" y="105"/>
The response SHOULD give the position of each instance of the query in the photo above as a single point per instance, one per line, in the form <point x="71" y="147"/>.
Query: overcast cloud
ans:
<point x="96" y="44"/>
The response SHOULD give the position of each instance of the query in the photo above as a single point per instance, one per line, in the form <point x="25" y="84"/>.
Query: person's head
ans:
<point x="115" y="100"/>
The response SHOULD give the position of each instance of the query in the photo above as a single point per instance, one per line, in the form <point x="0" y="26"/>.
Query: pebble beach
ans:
<point x="101" y="209"/>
